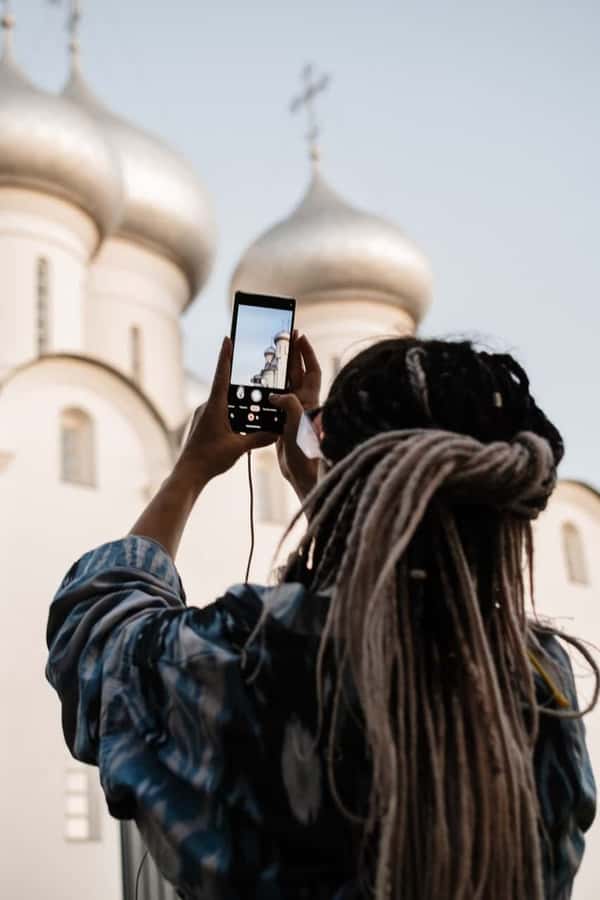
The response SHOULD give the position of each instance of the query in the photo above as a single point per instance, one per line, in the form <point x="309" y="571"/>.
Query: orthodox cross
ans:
<point x="7" y="24"/>
<point x="7" y="18"/>
<point x="306" y="99"/>
<point x="72" y="22"/>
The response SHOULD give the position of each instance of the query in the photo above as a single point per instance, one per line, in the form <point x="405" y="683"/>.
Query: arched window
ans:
<point x="77" y="447"/>
<point x="135" y="342"/>
<point x="271" y="500"/>
<point x="81" y="804"/>
<point x="43" y="305"/>
<point x="574" y="551"/>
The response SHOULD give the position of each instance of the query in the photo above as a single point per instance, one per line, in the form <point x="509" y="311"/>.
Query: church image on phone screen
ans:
<point x="262" y="341"/>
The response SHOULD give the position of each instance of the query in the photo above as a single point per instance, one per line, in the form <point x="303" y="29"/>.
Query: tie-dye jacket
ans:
<point x="211" y="750"/>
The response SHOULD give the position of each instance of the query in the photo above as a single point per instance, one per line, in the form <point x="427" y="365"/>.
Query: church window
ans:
<point x="135" y="339"/>
<point x="77" y="447"/>
<point x="574" y="551"/>
<point x="42" y="305"/>
<point x="81" y="808"/>
<point x="271" y="501"/>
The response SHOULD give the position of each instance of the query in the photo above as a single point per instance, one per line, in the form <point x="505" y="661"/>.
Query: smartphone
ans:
<point x="261" y="331"/>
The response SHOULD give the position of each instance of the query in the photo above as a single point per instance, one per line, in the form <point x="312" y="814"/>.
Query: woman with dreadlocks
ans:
<point x="386" y="721"/>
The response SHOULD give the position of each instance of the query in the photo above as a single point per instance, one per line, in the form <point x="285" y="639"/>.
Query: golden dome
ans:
<point x="48" y="144"/>
<point x="328" y="250"/>
<point x="165" y="206"/>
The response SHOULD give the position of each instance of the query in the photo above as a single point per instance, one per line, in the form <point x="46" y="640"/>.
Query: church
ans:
<point x="106" y="236"/>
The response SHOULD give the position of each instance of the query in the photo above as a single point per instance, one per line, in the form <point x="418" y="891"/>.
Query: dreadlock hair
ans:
<point x="440" y="458"/>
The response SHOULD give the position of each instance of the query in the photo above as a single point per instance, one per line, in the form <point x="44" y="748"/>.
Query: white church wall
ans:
<point x="214" y="549"/>
<point x="130" y="285"/>
<point x="196" y="392"/>
<point x="34" y="225"/>
<point x="46" y="524"/>
<point x="339" y="332"/>
<point x="575" y="608"/>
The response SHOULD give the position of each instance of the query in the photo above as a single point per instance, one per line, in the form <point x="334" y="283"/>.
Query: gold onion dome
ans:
<point x="328" y="250"/>
<point x="48" y="144"/>
<point x="165" y="207"/>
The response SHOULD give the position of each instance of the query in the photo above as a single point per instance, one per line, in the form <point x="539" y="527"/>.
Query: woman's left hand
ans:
<point x="212" y="446"/>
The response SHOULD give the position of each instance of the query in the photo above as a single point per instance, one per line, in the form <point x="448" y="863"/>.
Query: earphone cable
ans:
<point x="250" y="555"/>
<point x="251" y="486"/>
<point x="139" y="872"/>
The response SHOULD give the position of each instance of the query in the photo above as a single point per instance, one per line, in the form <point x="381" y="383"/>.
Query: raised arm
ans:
<point x="211" y="448"/>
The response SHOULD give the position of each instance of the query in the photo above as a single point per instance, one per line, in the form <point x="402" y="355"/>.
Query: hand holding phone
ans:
<point x="211" y="447"/>
<point x="261" y="332"/>
<point x="304" y="396"/>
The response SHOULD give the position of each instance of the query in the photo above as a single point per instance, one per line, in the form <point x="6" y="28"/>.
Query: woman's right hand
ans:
<point x="305" y="384"/>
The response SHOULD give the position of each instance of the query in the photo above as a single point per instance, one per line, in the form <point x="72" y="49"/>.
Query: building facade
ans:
<point x="106" y="235"/>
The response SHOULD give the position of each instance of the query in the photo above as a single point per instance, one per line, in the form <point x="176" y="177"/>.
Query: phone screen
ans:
<point x="261" y="332"/>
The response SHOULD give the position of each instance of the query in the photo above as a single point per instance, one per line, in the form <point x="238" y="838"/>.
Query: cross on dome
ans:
<point x="164" y="206"/>
<point x="306" y="99"/>
<point x="73" y="25"/>
<point x="8" y="22"/>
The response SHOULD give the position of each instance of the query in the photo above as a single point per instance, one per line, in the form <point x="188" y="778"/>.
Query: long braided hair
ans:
<point x="420" y="533"/>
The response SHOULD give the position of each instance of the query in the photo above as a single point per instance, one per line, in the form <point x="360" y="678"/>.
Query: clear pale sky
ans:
<point x="472" y="125"/>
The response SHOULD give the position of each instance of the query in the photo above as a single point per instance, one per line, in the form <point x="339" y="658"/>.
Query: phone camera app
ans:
<point x="262" y="333"/>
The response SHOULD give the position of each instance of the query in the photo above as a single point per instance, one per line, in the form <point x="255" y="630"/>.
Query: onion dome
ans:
<point x="282" y="336"/>
<point x="327" y="250"/>
<point x="165" y="206"/>
<point x="49" y="145"/>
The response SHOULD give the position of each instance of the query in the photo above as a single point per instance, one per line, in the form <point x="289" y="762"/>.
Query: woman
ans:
<point x="385" y="721"/>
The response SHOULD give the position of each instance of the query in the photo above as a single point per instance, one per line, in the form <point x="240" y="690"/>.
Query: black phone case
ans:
<point x="243" y="417"/>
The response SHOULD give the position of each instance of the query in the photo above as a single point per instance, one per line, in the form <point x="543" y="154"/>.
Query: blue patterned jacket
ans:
<point x="212" y="753"/>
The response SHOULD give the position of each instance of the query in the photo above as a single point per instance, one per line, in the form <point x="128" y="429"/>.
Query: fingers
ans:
<point x="220" y="385"/>
<point x="198" y="413"/>
<point x="308" y="354"/>
<point x="312" y="377"/>
<point x="300" y="471"/>
<point x="292" y="408"/>
<point x="289" y="403"/>
<point x="296" y="368"/>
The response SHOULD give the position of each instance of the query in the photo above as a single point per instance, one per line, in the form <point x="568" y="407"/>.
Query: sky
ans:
<point x="255" y="330"/>
<point x="472" y="125"/>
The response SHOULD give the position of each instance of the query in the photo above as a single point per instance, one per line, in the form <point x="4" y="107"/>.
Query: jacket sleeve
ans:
<point x="153" y="692"/>
<point x="106" y="596"/>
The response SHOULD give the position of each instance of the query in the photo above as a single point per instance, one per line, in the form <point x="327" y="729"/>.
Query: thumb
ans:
<point x="290" y="405"/>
